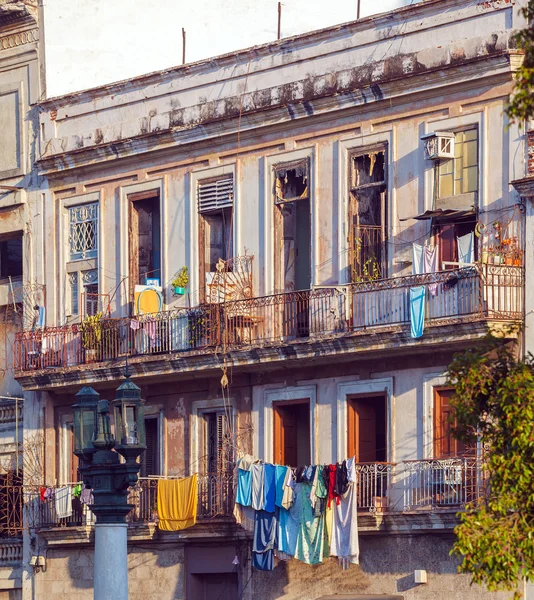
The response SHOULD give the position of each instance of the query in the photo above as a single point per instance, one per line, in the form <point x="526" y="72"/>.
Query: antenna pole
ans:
<point x="183" y="46"/>
<point x="280" y="20"/>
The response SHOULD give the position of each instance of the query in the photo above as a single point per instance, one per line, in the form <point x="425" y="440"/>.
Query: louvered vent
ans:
<point x="215" y="194"/>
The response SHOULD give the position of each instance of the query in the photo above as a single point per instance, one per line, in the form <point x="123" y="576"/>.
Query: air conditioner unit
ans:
<point x="439" y="145"/>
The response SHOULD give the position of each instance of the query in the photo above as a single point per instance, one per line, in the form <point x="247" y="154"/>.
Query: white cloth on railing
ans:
<point x="63" y="502"/>
<point x="430" y="259"/>
<point x="417" y="259"/>
<point x="344" y="541"/>
<point x="466" y="248"/>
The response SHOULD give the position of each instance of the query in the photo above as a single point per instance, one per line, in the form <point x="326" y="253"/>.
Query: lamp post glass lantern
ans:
<point x="129" y="412"/>
<point x="85" y="419"/>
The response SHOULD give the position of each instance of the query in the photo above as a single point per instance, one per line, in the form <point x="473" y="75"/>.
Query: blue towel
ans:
<point x="265" y="530"/>
<point x="417" y="311"/>
<point x="269" y="487"/>
<point x="280" y="477"/>
<point x="288" y="532"/>
<point x="263" y="561"/>
<point x="244" y="487"/>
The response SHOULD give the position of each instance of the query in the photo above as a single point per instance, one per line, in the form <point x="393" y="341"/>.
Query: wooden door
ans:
<point x="367" y="429"/>
<point x="285" y="436"/>
<point x="445" y="444"/>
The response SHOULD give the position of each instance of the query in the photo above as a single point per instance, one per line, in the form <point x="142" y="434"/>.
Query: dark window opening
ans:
<point x="150" y="461"/>
<point x="11" y="258"/>
<point x="217" y="443"/>
<point x="217" y="237"/>
<point x="145" y="242"/>
<point x="292" y="442"/>
<point x="446" y="236"/>
<point x="367" y="216"/>
<point x="11" y="500"/>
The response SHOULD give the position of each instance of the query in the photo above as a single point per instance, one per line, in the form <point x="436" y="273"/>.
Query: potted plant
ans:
<point x="91" y="330"/>
<point x="180" y="281"/>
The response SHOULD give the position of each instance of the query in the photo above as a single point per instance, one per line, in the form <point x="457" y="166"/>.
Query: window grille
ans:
<point x="90" y="292"/>
<point x="73" y="286"/>
<point x="215" y="194"/>
<point x="83" y="231"/>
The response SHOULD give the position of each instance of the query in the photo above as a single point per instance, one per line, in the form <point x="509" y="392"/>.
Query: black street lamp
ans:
<point x="110" y="478"/>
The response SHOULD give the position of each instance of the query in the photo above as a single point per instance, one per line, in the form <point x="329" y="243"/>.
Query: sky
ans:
<point x="94" y="42"/>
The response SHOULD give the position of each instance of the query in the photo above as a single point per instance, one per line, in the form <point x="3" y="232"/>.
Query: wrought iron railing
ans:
<point x="373" y="485"/>
<point x="466" y="294"/>
<point x="469" y="293"/>
<point x="215" y="499"/>
<point x="232" y="324"/>
<point x="443" y="483"/>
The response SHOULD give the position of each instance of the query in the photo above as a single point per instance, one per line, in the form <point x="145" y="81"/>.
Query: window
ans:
<point x="292" y="441"/>
<point x="83" y="231"/>
<point x="217" y="454"/>
<point x="460" y="175"/>
<point x="11" y="257"/>
<point x="87" y="299"/>
<point x="68" y="462"/>
<point x="292" y="223"/>
<point x="367" y="216"/>
<point x="144" y="237"/>
<point x="215" y="206"/>
<point x="151" y="457"/>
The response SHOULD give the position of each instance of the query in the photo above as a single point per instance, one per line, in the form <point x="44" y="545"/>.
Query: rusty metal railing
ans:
<point x="215" y="499"/>
<point x="469" y="293"/>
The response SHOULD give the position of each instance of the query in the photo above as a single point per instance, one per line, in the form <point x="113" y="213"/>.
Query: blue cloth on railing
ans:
<point x="263" y="561"/>
<point x="280" y="477"/>
<point x="417" y="311"/>
<point x="244" y="487"/>
<point x="269" y="487"/>
<point x="265" y="531"/>
<point x="288" y="532"/>
<point x="258" y="500"/>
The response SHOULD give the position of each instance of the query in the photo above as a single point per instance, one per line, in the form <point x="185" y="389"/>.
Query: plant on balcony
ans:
<point x="91" y="330"/>
<point x="180" y="281"/>
<point x="494" y="405"/>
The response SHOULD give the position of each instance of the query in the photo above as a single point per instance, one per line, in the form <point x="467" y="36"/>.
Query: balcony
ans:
<point x="466" y="295"/>
<point x="384" y="491"/>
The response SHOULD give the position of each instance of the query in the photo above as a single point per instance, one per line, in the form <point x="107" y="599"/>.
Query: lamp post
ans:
<point x="109" y="478"/>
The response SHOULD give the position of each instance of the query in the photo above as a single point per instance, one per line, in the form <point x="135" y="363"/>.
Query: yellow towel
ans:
<point x="177" y="503"/>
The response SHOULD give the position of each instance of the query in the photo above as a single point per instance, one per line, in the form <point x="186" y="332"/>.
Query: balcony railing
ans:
<point x="215" y="499"/>
<point x="443" y="483"/>
<point x="373" y="484"/>
<point x="10" y="552"/>
<point x="467" y="294"/>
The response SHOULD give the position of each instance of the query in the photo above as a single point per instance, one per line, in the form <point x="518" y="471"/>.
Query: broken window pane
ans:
<point x="291" y="181"/>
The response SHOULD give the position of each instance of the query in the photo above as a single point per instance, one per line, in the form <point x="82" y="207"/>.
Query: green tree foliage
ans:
<point x="521" y="105"/>
<point x="495" y="403"/>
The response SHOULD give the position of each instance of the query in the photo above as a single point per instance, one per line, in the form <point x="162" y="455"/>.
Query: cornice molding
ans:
<point x="13" y="40"/>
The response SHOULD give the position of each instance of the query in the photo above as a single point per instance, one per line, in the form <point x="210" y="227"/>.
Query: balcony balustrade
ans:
<point x="478" y="292"/>
<point x="10" y="552"/>
<point x="430" y="485"/>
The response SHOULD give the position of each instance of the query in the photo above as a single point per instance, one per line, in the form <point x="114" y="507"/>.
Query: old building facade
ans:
<point x="305" y="185"/>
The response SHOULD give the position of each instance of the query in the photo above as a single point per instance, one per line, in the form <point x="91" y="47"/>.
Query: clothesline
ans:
<point x="309" y="513"/>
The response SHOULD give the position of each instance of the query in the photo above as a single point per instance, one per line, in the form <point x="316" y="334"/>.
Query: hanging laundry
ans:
<point x="134" y="324"/>
<point x="417" y="259"/>
<point x="329" y="475"/>
<point x="466" y="248"/>
<point x="77" y="490"/>
<point x="264" y="541"/>
<point x="246" y="461"/>
<point x="244" y="487"/>
<point x="299" y="474"/>
<point x="49" y="493"/>
<point x="258" y="499"/>
<point x="280" y="478"/>
<point x="342" y="479"/>
<point x="310" y="541"/>
<point x="431" y="266"/>
<point x="244" y="516"/>
<point x="417" y="311"/>
<point x="321" y="493"/>
<point x="42" y="491"/>
<point x="289" y="493"/>
<point x="288" y="530"/>
<point x="63" y="502"/>
<point x="177" y="503"/>
<point x="344" y="537"/>
<point x="86" y="497"/>
<point x="41" y="318"/>
<point x="269" y="487"/>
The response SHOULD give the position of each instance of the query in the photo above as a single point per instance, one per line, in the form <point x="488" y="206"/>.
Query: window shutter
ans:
<point x="215" y="194"/>
<point x="150" y="462"/>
